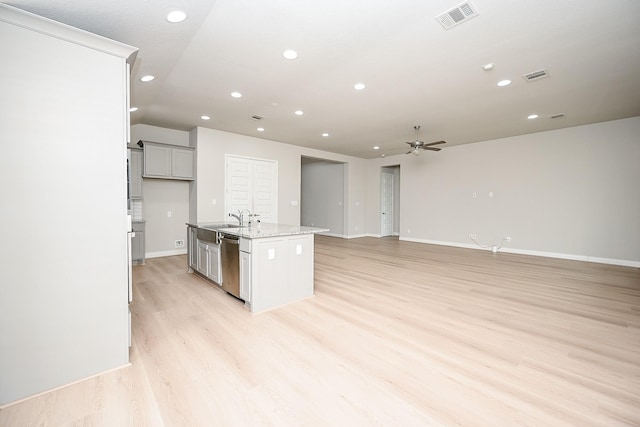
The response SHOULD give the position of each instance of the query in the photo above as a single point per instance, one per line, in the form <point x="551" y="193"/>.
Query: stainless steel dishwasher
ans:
<point x="230" y="259"/>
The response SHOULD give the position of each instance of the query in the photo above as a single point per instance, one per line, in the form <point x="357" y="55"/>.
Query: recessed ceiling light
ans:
<point x="488" y="66"/>
<point x="176" y="16"/>
<point x="132" y="109"/>
<point x="299" y="113"/>
<point x="503" y="83"/>
<point x="236" y="94"/>
<point x="325" y="134"/>
<point x="205" y="117"/>
<point x="290" y="54"/>
<point x="359" y="86"/>
<point x="147" y="78"/>
<point x="260" y="129"/>
<point x="376" y="148"/>
<point x="383" y="155"/>
<point x="532" y="116"/>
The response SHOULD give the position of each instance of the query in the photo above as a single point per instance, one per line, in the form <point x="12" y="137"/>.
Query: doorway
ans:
<point x="322" y="195"/>
<point x="390" y="201"/>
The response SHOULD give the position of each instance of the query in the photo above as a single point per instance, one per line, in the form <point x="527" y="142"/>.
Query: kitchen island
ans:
<point x="275" y="261"/>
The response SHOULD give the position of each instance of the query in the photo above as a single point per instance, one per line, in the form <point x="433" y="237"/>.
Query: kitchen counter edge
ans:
<point x="264" y="230"/>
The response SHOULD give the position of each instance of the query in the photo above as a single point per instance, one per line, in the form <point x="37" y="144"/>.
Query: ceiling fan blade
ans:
<point x="431" y="148"/>
<point x="434" y="143"/>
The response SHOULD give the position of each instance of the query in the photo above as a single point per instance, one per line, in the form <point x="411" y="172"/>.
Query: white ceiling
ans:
<point x="416" y="72"/>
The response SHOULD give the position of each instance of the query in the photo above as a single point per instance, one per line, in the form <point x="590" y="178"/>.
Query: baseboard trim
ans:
<point x="161" y="254"/>
<point x="572" y="257"/>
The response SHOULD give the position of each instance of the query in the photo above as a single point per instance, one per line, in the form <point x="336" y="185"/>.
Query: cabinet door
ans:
<point x="245" y="276"/>
<point x="203" y="259"/>
<point x="192" y="241"/>
<point x="137" y="243"/>
<point x="135" y="174"/>
<point x="213" y="257"/>
<point x="157" y="160"/>
<point x="182" y="160"/>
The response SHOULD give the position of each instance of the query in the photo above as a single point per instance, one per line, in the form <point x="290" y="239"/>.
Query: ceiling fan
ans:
<point x="417" y="145"/>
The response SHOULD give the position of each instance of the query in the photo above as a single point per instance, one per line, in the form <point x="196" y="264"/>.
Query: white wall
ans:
<point x="322" y="195"/>
<point x="571" y="193"/>
<point x="161" y="196"/>
<point x="213" y="145"/>
<point x="63" y="275"/>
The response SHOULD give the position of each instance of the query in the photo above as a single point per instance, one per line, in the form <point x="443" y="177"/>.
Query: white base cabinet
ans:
<point x="245" y="276"/>
<point x="208" y="263"/>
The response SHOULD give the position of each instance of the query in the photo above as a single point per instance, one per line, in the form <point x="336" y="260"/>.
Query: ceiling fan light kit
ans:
<point x="417" y="145"/>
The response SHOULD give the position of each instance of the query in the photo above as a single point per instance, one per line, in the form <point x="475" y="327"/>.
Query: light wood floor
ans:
<point x="398" y="334"/>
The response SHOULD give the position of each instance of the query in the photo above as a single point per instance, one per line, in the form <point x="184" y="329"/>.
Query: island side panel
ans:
<point x="300" y="267"/>
<point x="281" y="270"/>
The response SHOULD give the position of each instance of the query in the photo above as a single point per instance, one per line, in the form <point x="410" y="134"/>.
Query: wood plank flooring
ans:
<point x="397" y="334"/>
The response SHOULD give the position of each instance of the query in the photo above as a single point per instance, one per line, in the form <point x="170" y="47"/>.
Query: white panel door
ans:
<point x="265" y="190"/>
<point x="386" y="204"/>
<point x="253" y="185"/>
<point x="238" y="184"/>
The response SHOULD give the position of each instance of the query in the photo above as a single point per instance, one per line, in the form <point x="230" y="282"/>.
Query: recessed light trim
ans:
<point x="359" y="86"/>
<point x="488" y="66"/>
<point x="205" y="117"/>
<point x="299" y="113"/>
<point x="290" y="54"/>
<point x="236" y="94"/>
<point x="376" y="147"/>
<point x="503" y="83"/>
<point x="133" y="109"/>
<point x="532" y="116"/>
<point x="260" y="129"/>
<point x="147" y="78"/>
<point x="325" y="135"/>
<point x="176" y="16"/>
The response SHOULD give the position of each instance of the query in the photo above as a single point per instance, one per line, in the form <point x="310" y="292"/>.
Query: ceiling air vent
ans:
<point x="557" y="116"/>
<point x="536" y="75"/>
<point x="256" y="117"/>
<point x="459" y="14"/>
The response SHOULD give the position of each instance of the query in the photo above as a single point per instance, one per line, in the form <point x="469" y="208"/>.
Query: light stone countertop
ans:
<point x="260" y="230"/>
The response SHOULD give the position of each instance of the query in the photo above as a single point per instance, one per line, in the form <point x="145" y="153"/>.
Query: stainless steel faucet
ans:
<point x="240" y="216"/>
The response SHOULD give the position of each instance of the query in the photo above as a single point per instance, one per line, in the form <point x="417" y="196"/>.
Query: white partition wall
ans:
<point x="63" y="253"/>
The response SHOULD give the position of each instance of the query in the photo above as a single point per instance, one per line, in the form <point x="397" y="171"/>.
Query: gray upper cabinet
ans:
<point x="135" y="174"/>
<point x="168" y="161"/>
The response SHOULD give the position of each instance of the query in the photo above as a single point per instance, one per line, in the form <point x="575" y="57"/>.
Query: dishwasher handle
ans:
<point x="230" y="240"/>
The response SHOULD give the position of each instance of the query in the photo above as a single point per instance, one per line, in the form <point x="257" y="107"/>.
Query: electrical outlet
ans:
<point x="179" y="243"/>
<point x="507" y="239"/>
<point x="472" y="236"/>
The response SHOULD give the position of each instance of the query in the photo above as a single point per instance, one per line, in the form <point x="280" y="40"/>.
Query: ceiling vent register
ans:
<point x="459" y="14"/>
<point x="256" y="117"/>
<point x="536" y="75"/>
